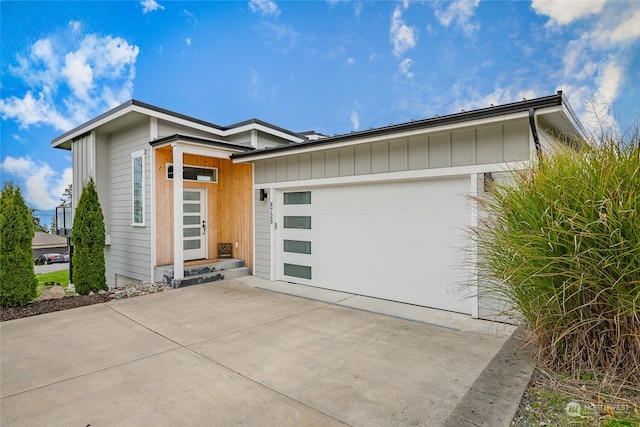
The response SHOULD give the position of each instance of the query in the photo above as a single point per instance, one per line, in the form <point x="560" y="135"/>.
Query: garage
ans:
<point x="385" y="212"/>
<point x="403" y="240"/>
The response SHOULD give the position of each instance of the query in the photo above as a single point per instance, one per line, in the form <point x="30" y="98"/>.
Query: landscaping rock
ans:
<point x="55" y="292"/>
<point x="141" y="289"/>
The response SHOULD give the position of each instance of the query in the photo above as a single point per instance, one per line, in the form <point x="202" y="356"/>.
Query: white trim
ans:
<point x="473" y="192"/>
<point x="178" y="253"/>
<point x="393" y="176"/>
<point x="253" y="222"/>
<point x="153" y="128"/>
<point x="263" y="128"/>
<point x="153" y="213"/>
<point x="173" y="119"/>
<point x="274" y="235"/>
<point x="198" y="150"/>
<point x="136" y="155"/>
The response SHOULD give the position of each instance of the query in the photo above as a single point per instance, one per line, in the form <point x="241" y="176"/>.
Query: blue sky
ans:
<point x="331" y="66"/>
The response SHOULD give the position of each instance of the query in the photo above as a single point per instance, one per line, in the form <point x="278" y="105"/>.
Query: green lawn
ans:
<point x="61" y="277"/>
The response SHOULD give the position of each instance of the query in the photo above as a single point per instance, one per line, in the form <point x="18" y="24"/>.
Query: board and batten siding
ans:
<point x="483" y="145"/>
<point x="129" y="253"/>
<point x="262" y="251"/>
<point x="489" y="144"/>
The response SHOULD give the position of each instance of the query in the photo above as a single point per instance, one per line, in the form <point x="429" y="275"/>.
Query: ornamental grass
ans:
<point x="563" y="240"/>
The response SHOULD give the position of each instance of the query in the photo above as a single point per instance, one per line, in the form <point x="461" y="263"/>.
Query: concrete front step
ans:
<point x="211" y="276"/>
<point x="201" y="273"/>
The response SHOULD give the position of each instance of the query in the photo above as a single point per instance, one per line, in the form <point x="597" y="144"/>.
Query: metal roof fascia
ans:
<point x="200" y="141"/>
<point x="265" y="127"/>
<point x="122" y="109"/>
<point x="467" y="116"/>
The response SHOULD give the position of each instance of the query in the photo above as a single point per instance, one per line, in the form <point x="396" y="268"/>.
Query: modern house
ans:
<point x="383" y="212"/>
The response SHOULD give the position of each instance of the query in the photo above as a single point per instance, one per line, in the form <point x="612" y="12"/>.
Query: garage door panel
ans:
<point x="401" y="241"/>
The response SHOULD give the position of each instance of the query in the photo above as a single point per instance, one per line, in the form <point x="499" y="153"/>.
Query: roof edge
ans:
<point x="130" y="103"/>
<point x="514" y="107"/>
<point x="205" y="141"/>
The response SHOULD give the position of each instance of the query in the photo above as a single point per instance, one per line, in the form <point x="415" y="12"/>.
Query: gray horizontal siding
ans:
<point x="472" y="146"/>
<point x="130" y="251"/>
<point x="262" y="267"/>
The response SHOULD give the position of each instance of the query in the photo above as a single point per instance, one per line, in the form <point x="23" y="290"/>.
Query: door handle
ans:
<point x="203" y="227"/>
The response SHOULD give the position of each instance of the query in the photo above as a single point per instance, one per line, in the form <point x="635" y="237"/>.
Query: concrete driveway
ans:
<point x="230" y="352"/>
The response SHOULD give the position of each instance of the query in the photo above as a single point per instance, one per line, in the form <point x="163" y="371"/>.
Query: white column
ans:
<point x="178" y="253"/>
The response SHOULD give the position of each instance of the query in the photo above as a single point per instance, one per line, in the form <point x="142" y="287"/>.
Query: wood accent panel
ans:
<point x="229" y="206"/>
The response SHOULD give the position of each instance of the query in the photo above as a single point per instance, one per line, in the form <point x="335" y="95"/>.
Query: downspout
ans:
<point x="534" y="132"/>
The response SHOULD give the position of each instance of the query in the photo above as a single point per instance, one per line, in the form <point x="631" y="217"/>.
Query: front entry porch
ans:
<point x="196" y="272"/>
<point x="199" y="211"/>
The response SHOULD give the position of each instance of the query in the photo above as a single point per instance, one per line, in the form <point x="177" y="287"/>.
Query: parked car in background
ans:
<point x="66" y="256"/>
<point x="50" y="258"/>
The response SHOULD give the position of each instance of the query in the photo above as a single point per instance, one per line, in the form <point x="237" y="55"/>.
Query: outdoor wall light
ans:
<point x="263" y="194"/>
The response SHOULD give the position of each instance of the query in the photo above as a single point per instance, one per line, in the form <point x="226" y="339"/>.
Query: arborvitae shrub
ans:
<point x="88" y="236"/>
<point x="17" y="279"/>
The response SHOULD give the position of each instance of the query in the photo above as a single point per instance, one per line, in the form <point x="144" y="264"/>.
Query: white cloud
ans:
<point x="72" y="77"/>
<point x="75" y="25"/>
<point x="255" y="84"/>
<point x="404" y="67"/>
<point x="627" y="30"/>
<point x="191" y="18"/>
<point x="402" y="36"/>
<point x="459" y="12"/>
<point x="350" y="61"/>
<point x="265" y="7"/>
<point x="355" y="120"/>
<point x="564" y="12"/>
<point x="188" y="41"/>
<point x="43" y="186"/>
<point x="31" y="111"/>
<point x="150" y="6"/>
<point x="596" y="59"/>
<point x="500" y="95"/>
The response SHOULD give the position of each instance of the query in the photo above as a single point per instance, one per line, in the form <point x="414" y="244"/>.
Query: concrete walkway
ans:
<point x="232" y="352"/>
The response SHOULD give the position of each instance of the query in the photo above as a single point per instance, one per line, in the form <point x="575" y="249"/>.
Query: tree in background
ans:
<point x="66" y="199"/>
<point x="88" y="236"/>
<point x="36" y="221"/>
<point x="17" y="279"/>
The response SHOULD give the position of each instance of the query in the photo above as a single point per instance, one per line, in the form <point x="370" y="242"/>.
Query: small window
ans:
<point x="195" y="173"/>
<point x="300" y="222"/>
<point x="297" y="198"/>
<point x="297" y="247"/>
<point x="137" y="190"/>
<point x="293" y="270"/>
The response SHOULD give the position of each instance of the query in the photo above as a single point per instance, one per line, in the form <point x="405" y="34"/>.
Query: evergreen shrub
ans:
<point x="17" y="278"/>
<point x="88" y="237"/>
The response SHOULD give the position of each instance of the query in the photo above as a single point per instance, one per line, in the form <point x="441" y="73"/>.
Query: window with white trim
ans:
<point x="195" y="173"/>
<point x="137" y="188"/>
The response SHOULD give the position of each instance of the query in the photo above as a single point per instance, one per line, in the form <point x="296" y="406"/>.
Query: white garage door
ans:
<point x="402" y="241"/>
